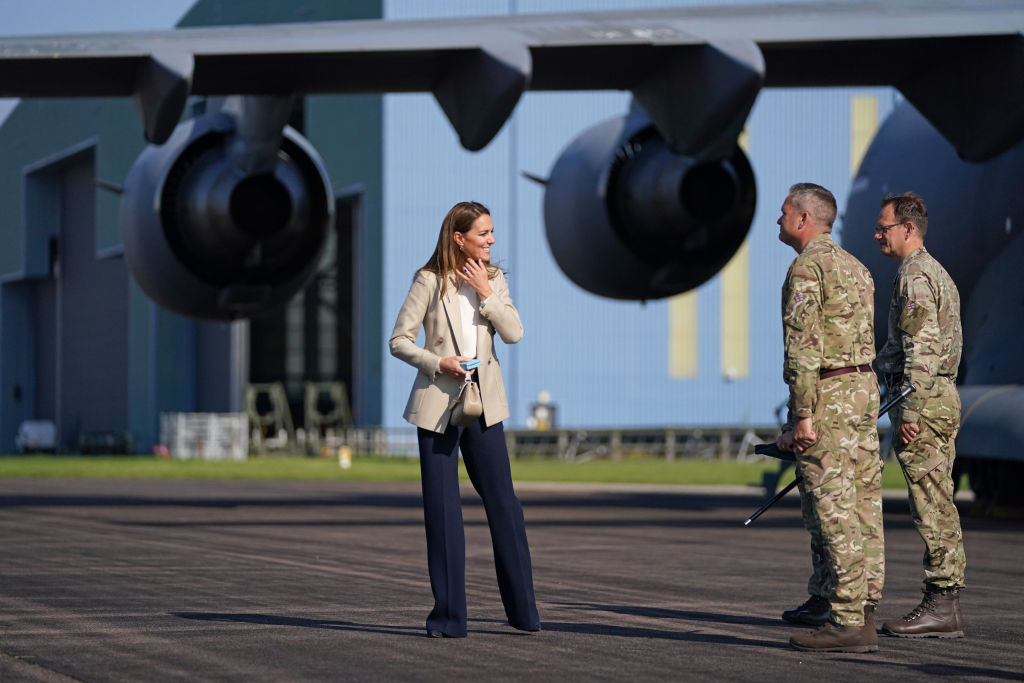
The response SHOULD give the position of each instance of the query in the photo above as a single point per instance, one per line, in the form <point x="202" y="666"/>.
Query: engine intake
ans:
<point x="222" y="244"/>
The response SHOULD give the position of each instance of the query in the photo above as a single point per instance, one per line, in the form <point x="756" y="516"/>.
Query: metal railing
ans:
<point x="706" y="443"/>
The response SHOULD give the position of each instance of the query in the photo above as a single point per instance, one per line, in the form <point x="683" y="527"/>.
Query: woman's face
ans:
<point x="476" y="242"/>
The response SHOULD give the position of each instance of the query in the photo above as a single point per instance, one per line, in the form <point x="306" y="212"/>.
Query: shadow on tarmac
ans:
<point x="675" y="614"/>
<point x="896" y="511"/>
<point x="579" y="628"/>
<point x="277" y="620"/>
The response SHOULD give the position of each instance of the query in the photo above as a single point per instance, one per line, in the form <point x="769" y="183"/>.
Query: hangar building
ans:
<point x="81" y="345"/>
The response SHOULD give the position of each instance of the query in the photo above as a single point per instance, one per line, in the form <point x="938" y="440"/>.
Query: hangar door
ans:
<point x="79" y="312"/>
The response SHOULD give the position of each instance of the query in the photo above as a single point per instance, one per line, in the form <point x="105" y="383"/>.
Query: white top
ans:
<point x="469" y="305"/>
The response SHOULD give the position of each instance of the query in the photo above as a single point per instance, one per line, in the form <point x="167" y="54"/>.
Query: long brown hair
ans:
<point x="447" y="257"/>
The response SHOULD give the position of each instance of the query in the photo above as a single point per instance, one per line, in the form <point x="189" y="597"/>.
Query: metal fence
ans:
<point x="579" y="445"/>
<point x="706" y="443"/>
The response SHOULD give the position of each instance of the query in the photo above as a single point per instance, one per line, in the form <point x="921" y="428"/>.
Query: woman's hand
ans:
<point x="450" y="366"/>
<point x="474" y="272"/>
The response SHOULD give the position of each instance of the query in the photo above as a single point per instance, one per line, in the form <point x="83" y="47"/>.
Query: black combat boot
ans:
<point x="814" y="612"/>
<point x="938" y="616"/>
<point x="833" y="638"/>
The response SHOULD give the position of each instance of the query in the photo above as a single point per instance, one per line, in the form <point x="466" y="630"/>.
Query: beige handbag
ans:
<point x="468" y="406"/>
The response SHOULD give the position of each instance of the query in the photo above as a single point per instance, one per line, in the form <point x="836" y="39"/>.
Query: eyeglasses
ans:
<point x="882" y="229"/>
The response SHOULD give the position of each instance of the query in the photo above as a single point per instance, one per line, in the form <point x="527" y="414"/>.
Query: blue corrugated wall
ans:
<point x="605" y="363"/>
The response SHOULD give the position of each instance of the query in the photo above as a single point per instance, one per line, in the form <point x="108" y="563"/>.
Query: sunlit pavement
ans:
<point x="107" y="580"/>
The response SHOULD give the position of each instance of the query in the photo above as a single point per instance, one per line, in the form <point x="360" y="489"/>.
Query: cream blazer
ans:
<point x="433" y="393"/>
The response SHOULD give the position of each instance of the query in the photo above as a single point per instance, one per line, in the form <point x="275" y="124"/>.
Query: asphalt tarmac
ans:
<point x="105" y="580"/>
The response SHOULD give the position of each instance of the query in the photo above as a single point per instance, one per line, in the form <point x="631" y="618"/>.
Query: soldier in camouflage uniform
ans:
<point x="923" y="347"/>
<point x="827" y="314"/>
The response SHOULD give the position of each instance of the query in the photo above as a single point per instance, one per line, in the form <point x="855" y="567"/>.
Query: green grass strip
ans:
<point x="300" y="468"/>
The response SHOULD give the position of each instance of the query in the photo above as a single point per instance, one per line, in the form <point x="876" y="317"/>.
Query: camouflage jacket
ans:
<point x="925" y="337"/>
<point x="827" y="319"/>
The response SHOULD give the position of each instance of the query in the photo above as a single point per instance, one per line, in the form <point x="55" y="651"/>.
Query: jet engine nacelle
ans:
<point x="628" y="219"/>
<point x="205" y="239"/>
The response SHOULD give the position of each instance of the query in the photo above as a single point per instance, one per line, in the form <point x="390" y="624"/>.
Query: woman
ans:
<point x="461" y="301"/>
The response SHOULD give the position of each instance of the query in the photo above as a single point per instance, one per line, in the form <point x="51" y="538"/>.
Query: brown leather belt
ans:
<point x="825" y="374"/>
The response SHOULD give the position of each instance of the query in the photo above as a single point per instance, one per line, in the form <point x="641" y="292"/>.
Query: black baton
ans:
<point x="775" y="499"/>
<point x="773" y="451"/>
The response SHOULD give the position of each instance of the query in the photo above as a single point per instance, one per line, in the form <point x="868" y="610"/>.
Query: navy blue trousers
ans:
<point x="486" y="458"/>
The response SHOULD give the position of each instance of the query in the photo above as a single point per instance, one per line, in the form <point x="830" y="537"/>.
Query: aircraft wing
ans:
<point x="927" y="48"/>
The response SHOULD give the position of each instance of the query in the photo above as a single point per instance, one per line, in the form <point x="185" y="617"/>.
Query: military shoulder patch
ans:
<point x="913" y="317"/>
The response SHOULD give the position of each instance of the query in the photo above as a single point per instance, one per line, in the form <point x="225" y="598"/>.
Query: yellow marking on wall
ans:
<point x="863" y="126"/>
<point x="735" y="306"/>
<point x="682" y="335"/>
<point x="735" y="315"/>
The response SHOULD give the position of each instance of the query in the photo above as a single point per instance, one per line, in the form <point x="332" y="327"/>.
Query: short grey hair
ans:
<point x="815" y="200"/>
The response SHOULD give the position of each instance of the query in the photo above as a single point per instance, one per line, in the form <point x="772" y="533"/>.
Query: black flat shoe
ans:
<point x="434" y="633"/>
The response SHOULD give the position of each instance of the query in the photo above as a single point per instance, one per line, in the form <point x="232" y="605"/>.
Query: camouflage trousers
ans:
<point x="843" y="478"/>
<point x="821" y="583"/>
<point x="927" y="464"/>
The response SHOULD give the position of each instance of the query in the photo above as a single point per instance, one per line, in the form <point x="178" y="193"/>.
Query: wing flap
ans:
<point x="595" y="50"/>
<point x="803" y="44"/>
